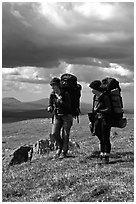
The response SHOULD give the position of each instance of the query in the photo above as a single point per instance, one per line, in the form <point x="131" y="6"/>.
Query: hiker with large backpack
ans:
<point x="64" y="101"/>
<point x="60" y="103"/>
<point x="102" y="115"/>
<point x="107" y="112"/>
<point x="69" y="84"/>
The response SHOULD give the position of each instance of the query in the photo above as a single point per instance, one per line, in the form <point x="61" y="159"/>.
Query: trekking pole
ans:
<point x="52" y="119"/>
<point x="77" y="119"/>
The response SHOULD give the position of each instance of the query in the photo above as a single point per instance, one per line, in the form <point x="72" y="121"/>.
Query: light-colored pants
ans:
<point x="63" y="123"/>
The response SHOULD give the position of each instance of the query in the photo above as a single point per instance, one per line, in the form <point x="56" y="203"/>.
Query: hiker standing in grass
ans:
<point x="60" y="103"/>
<point x="102" y="126"/>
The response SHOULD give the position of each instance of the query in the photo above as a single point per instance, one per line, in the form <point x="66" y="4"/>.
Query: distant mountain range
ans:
<point x="16" y="105"/>
<point x="14" y="110"/>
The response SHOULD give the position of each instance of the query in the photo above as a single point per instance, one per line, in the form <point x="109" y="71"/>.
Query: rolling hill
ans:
<point x="12" y="104"/>
<point x="14" y="110"/>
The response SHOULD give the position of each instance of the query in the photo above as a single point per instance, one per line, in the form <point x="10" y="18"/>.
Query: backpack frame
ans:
<point x="69" y="84"/>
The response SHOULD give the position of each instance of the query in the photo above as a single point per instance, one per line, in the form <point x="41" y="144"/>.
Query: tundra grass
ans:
<point x="79" y="178"/>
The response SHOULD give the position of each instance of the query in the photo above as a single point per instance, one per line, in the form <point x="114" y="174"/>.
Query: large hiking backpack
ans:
<point x="112" y="88"/>
<point x="69" y="84"/>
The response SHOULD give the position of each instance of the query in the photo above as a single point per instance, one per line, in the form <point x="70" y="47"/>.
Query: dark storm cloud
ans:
<point x="41" y="35"/>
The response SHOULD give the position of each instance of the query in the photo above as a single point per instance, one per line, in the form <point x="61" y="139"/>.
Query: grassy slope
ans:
<point x="80" y="178"/>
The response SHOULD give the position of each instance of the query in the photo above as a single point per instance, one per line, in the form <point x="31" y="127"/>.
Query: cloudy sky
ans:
<point x="91" y="40"/>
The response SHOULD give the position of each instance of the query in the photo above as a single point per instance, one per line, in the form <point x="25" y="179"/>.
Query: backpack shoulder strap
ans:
<point x="94" y="99"/>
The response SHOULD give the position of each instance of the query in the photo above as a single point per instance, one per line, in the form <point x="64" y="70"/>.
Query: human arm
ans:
<point x="64" y="101"/>
<point x="51" y="103"/>
<point x="105" y="105"/>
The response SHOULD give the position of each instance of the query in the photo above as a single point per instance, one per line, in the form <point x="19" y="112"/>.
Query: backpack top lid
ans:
<point x="110" y="84"/>
<point x="68" y="80"/>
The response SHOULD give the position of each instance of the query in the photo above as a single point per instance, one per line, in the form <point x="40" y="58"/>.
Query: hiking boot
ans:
<point x="63" y="155"/>
<point x="57" y="154"/>
<point x="101" y="156"/>
<point x="93" y="133"/>
<point x="106" y="159"/>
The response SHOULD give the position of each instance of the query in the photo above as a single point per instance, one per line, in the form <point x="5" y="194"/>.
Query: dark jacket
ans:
<point x="103" y="115"/>
<point x="60" y="106"/>
<point x="102" y="105"/>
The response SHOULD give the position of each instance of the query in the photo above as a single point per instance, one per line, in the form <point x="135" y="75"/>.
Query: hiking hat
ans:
<point x="55" y="81"/>
<point x="96" y="84"/>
